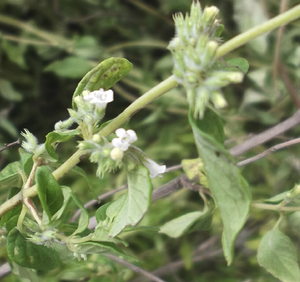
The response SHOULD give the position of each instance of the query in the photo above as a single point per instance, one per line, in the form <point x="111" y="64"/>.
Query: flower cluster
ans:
<point x="122" y="144"/>
<point x="90" y="110"/>
<point x="91" y="106"/>
<point x="194" y="52"/>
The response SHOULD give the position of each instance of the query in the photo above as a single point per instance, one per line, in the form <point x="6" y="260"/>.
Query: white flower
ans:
<point x="99" y="97"/>
<point x="126" y="137"/>
<point x="154" y="168"/>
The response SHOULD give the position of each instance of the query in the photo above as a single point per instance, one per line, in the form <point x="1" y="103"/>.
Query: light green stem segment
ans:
<point x="254" y="32"/>
<point x="154" y="93"/>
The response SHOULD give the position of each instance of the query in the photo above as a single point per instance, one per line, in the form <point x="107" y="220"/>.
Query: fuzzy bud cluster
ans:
<point x="194" y="52"/>
<point x="91" y="106"/>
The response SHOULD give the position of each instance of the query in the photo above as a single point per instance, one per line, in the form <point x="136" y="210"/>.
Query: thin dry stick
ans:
<point x="4" y="270"/>
<point x="6" y="146"/>
<point x="266" y="135"/>
<point x="176" y="265"/>
<point x="269" y="151"/>
<point x="135" y="268"/>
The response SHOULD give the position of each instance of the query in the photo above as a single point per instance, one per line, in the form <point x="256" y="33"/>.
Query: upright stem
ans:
<point x="151" y="95"/>
<point x="254" y="32"/>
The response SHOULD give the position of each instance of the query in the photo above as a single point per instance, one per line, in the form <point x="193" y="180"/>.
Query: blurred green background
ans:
<point x="47" y="46"/>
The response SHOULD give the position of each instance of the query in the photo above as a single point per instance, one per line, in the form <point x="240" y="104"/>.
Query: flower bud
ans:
<point x="89" y="119"/>
<point x="81" y="104"/>
<point x="116" y="154"/>
<point x="209" y="15"/>
<point x="210" y="53"/>
<point x="63" y="125"/>
<point x="179" y="26"/>
<point x="191" y="79"/>
<point x="218" y="100"/>
<point x="196" y="15"/>
<point x="96" y="138"/>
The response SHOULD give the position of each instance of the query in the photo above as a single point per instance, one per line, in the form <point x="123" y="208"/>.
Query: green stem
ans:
<point x="148" y="97"/>
<point x="139" y="104"/>
<point x="275" y="207"/>
<point x="254" y="32"/>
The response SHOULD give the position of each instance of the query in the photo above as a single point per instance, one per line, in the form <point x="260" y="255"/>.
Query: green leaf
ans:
<point x="130" y="208"/>
<point x="15" y="53"/>
<point x="23" y="252"/>
<point x="26" y="161"/>
<point x="9" y="127"/>
<point x="8" y="92"/>
<point x="277" y="254"/>
<point x="67" y="195"/>
<point x="83" y="221"/>
<point x="105" y="75"/>
<point x="101" y="212"/>
<point x="199" y="220"/>
<point x="277" y="199"/>
<point x="9" y="219"/>
<point x="25" y="273"/>
<point x="79" y="171"/>
<point x="100" y="248"/>
<point x="237" y="64"/>
<point x="71" y="67"/>
<point x="10" y="176"/>
<point x="229" y="189"/>
<point x="212" y="126"/>
<point x="53" y="138"/>
<point x="49" y="191"/>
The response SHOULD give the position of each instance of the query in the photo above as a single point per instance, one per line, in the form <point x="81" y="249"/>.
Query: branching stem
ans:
<point x="148" y="97"/>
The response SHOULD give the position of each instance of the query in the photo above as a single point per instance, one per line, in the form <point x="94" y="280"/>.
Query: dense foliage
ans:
<point x="46" y="49"/>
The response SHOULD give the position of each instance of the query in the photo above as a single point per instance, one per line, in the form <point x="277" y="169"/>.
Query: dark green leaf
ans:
<point x="105" y="75"/>
<point x="49" y="191"/>
<point x="229" y="189"/>
<point x="23" y="252"/>
<point x="26" y="161"/>
<point x="212" y="125"/>
<point x="83" y="221"/>
<point x="67" y="195"/>
<point x="130" y="208"/>
<point x="12" y="213"/>
<point x="277" y="254"/>
<point x="198" y="220"/>
<point x="101" y="212"/>
<point x="71" y="67"/>
<point x="53" y="138"/>
<point x="82" y="173"/>
<point x="100" y="248"/>
<point x="14" y="53"/>
<point x="8" y="92"/>
<point x="237" y="64"/>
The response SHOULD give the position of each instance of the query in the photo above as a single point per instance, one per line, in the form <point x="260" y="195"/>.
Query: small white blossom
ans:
<point x="125" y="138"/>
<point x="154" y="168"/>
<point x="99" y="97"/>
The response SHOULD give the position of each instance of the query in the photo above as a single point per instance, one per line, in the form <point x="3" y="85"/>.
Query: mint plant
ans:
<point x="35" y="223"/>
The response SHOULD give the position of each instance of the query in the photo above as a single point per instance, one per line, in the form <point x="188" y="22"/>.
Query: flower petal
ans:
<point x="154" y="168"/>
<point x="120" y="132"/>
<point x="131" y="135"/>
